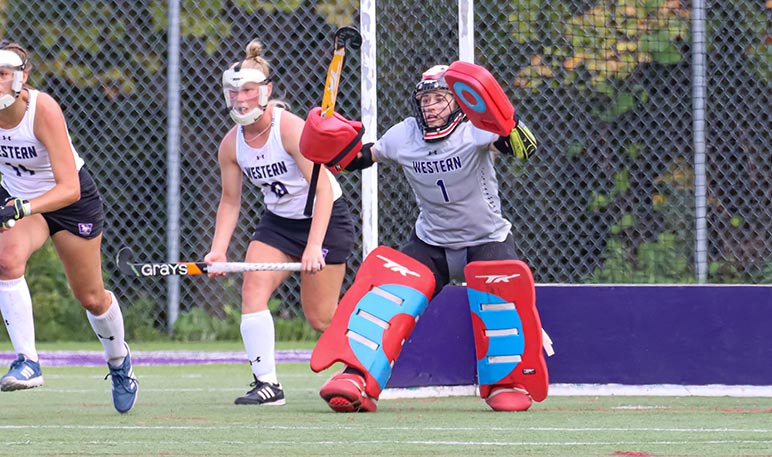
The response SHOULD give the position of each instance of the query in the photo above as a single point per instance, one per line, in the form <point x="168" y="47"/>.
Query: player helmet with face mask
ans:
<point x="433" y="80"/>
<point x="233" y="80"/>
<point x="9" y="59"/>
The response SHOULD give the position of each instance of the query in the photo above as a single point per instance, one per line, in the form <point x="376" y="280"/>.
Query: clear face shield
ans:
<point x="11" y="71"/>
<point x="246" y="93"/>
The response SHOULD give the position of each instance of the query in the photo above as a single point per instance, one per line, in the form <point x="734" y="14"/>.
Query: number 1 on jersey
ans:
<point x="441" y="185"/>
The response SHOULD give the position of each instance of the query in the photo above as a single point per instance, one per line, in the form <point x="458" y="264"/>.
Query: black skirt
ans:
<point x="291" y="235"/>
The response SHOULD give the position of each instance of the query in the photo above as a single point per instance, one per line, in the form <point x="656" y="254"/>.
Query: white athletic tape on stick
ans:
<point x="236" y="267"/>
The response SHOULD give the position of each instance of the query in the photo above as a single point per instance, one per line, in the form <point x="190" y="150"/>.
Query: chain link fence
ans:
<point x="633" y="183"/>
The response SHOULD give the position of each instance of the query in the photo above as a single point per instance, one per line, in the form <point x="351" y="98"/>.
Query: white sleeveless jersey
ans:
<point x="276" y="173"/>
<point x="454" y="182"/>
<point x="24" y="162"/>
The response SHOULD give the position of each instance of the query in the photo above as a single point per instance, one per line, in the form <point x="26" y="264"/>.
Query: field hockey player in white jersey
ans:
<point x="48" y="193"/>
<point x="263" y="146"/>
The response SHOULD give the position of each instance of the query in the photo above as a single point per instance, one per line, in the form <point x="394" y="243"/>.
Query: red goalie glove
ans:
<point x="332" y="141"/>
<point x="481" y="97"/>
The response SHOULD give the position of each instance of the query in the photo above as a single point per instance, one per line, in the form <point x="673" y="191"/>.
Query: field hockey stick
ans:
<point x="345" y="37"/>
<point x="145" y="269"/>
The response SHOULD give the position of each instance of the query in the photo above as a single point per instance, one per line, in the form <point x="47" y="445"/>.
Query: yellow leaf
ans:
<point x="573" y="62"/>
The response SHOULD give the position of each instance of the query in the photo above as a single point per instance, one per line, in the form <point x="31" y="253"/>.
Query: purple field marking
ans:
<point x="97" y="358"/>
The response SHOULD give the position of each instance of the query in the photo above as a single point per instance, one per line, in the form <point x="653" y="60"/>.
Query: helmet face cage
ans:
<point x="433" y="81"/>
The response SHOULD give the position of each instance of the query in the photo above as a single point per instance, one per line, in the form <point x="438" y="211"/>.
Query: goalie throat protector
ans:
<point x="9" y="59"/>
<point x="234" y="80"/>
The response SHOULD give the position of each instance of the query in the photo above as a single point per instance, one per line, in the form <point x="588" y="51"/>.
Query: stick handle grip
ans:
<point x="309" y="209"/>
<point x="239" y="267"/>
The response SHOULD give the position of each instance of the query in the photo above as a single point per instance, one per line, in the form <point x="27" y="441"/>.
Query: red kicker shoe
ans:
<point x="345" y="393"/>
<point x="513" y="398"/>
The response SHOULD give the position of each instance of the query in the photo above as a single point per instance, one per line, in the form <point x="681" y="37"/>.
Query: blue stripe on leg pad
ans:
<point x="370" y="320"/>
<point x="504" y="330"/>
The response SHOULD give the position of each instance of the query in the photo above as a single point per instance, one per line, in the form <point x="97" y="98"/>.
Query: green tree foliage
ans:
<point x="602" y="55"/>
<point x="599" y="49"/>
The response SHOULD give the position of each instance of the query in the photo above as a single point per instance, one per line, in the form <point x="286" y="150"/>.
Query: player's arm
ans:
<point x="291" y="128"/>
<point x="382" y="151"/>
<point x="51" y="129"/>
<point x="230" y="198"/>
<point x="364" y="159"/>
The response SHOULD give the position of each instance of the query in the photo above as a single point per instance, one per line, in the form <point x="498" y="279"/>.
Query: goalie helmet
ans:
<point x="11" y="60"/>
<point x="433" y="80"/>
<point x="237" y="79"/>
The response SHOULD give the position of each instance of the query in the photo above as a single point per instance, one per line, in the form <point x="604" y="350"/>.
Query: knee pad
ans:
<point x="506" y="325"/>
<point x="375" y="317"/>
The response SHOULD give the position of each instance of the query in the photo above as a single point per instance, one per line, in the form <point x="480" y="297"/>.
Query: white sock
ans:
<point x="16" y="308"/>
<point x="258" y="335"/>
<point x="109" y="329"/>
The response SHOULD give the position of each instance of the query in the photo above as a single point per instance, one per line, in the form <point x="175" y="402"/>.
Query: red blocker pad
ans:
<point x="506" y="325"/>
<point x="333" y="141"/>
<point x="375" y="317"/>
<point x="481" y="97"/>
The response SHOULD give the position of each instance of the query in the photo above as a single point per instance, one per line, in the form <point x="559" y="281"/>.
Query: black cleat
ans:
<point x="263" y="393"/>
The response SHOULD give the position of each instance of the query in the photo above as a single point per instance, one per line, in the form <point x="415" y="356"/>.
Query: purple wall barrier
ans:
<point x="440" y="351"/>
<point x="635" y="335"/>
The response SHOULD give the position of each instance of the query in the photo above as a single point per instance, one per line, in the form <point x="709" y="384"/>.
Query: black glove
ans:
<point x="18" y="209"/>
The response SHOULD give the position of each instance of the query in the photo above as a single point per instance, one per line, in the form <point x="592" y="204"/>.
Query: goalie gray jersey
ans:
<point x="454" y="182"/>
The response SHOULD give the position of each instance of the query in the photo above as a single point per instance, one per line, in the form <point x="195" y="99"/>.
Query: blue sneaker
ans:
<point x="125" y="385"/>
<point x="24" y="374"/>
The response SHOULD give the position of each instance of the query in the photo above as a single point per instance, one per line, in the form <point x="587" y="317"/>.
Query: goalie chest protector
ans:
<point x="481" y="97"/>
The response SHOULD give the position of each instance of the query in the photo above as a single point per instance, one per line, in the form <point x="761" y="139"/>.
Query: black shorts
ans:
<point x="438" y="259"/>
<point x="291" y="235"/>
<point x="84" y="218"/>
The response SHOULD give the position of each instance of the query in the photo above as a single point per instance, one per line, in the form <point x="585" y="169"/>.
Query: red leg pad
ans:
<point x="375" y="317"/>
<point x="504" y="332"/>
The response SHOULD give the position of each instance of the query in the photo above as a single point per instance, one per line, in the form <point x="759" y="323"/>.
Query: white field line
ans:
<point x="595" y="390"/>
<point x="368" y="426"/>
<point x="556" y="391"/>
<point x="297" y="443"/>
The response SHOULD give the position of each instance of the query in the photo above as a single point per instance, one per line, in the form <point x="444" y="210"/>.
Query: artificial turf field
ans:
<point x="187" y="410"/>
